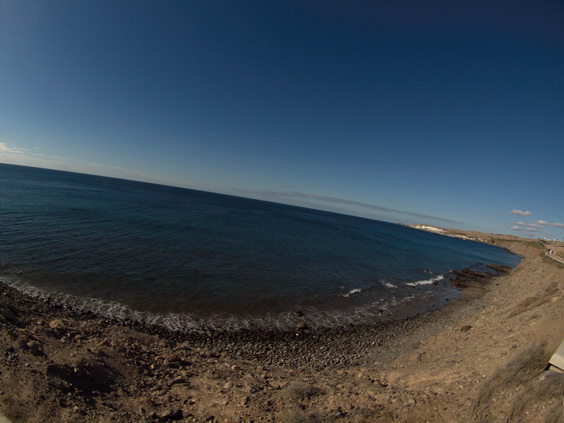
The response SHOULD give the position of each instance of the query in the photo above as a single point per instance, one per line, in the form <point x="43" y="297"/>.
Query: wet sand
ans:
<point x="481" y="358"/>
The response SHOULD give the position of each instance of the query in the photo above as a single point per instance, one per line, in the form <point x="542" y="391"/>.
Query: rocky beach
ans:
<point x="482" y="358"/>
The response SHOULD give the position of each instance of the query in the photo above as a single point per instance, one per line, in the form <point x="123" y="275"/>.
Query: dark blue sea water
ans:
<point x="189" y="259"/>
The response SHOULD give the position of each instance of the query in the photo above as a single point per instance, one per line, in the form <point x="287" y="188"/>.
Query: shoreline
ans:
<point x="61" y="366"/>
<point x="296" y="342"/>
<point x="292" y="340"/>
<point x="307" y="318"/>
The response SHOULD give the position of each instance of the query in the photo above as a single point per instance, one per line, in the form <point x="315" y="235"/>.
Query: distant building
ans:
<point x="430" y="228"/>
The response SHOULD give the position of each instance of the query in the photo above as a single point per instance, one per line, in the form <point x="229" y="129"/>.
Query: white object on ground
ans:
<point x="557" y="359"/>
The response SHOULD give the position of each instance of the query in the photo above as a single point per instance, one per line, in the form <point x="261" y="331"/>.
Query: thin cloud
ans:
<point x="6" y="149"/>
<point x="523" y="229"/>
<point x="528" y="227"/>
<point x="521" y="213"/>
<point x="341" y="201"/>
<point x="534" y="225"/>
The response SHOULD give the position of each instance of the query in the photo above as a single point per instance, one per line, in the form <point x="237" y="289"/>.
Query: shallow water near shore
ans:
<point x="188" y="259"/>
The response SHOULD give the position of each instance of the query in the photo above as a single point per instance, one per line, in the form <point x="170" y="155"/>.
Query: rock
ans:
<point x="466" y="328"/>
<point x="35" y="349"/>
<point x="301" y="326"/>
<point x="184" y="346"/>
<point x="205" y="353"/>
<point x="499" y="268"/>
<point x="174" y="414"/>
<point x="56" y="324"/>
<point x="178" y="381"/>
<point x="6" y="313"/>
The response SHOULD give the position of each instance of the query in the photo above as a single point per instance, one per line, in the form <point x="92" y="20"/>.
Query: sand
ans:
<point x="482" y="358"/>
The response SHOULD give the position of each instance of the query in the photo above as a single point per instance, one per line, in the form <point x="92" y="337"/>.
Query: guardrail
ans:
<point x="555" y="258"/>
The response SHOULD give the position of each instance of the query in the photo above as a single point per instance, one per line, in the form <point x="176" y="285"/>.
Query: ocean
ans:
<point x="190" y="260"/>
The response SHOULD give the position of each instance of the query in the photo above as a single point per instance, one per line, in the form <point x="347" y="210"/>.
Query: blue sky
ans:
<point x="439" y="112"/>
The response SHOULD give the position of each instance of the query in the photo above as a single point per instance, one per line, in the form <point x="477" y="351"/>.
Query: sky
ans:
<point x="443" y="112"/>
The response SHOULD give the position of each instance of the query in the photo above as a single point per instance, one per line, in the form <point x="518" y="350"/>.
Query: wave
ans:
<point x="387" y="284"/>
<point x="375" y="311"/>
<point x="426" y="281"/>
<point x="351" y="292"/>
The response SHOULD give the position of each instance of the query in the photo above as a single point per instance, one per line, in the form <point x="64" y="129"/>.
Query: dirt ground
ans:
<point x="482" y="358"/>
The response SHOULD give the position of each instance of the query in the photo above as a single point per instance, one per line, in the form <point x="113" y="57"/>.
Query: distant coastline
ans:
<point x="473" y="235"/>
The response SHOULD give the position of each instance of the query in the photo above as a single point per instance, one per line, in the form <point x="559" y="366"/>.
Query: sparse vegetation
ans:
<point x="518" y="379"/>
<point x="545" y="388"/>
<point x="536" y="244"/>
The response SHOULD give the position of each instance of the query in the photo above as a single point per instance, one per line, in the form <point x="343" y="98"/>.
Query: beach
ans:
<point x="481" y="358"/>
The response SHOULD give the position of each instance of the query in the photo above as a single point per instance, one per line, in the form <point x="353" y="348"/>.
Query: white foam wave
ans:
<point x="387" y="284"/>
<point x="351" y="292"/>
<point x="377" y="310"/>
<point x="426" y="281"/>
